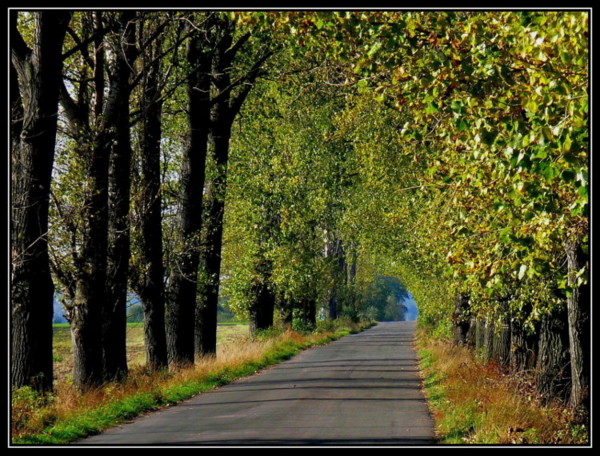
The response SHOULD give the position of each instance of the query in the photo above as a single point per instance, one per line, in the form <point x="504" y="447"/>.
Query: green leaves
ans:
<point x="477" y="146"/>
<point x="488" y="136"/>
<point x="374" y="49"/>
<point x="432" y="108"/>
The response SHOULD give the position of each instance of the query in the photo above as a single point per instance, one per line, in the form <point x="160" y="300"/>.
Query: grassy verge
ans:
<point x="475" y="403"/>
<point x="67" y="415"/>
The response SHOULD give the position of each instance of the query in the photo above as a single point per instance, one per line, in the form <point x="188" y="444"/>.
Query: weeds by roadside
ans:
<point x="476" y="403"/>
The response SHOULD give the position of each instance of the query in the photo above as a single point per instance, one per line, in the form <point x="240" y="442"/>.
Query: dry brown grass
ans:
<point x="479" y="403"/>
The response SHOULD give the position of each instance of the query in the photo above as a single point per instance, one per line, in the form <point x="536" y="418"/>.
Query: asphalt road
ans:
<point x="363" y="389"/>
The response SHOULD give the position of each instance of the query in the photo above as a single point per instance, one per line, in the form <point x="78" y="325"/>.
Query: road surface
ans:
<point x="363" y="389"/>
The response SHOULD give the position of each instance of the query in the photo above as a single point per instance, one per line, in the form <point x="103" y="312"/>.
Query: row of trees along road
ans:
<point x="289" y="161"/>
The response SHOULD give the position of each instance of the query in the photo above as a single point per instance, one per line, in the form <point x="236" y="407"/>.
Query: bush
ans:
<point x="327" y="325"/>
<point x="29" y="409"/>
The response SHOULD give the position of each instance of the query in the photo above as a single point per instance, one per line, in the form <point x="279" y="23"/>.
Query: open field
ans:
<point x="63" y="355"/>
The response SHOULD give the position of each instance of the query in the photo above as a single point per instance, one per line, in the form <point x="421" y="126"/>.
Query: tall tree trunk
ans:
<point x="115" y="308"/>
<point x="336" y="250"/>
<point x="501" y="343"/>
<point x="263" y="299"/>
<point x="523" y="345"/>
<point x="85" y="313"/>
<point x="285" y="310"/>
<point x="181" y="300"/>
<point x="332" y="305"/>
<point x="32" y="290"/>
<point x="578" y="310"/>
<point x="16" y="127"/>
<point x="461" y="319"/>
<point x="471" y="332"/>
<point x="310" y="312"/>
<point x="479" y="334"/>
<point x="350" y="298"/>
<point x="225" y="107"/>
<point x="352" y="267"/>
<point x="221" y="119"/>
<point x="552" y="365"/>
<point x="206" y="314"/>
<point x="149" y="283"/>
<point x="95" y="289"/>
<point x="488" y="339"/>
<point x="85" y="310"/>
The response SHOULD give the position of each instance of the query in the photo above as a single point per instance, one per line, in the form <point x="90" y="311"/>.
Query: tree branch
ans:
<point x="83" y="44"/>
<point x="251" y="76"/>
<point x="233" y="50"/>
<point x="72" y="110"/>
<point x="84" y="52"/>
<point x="20" y="52"/>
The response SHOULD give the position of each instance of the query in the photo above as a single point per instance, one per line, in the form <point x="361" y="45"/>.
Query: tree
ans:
<point x="118" y="252"/>
<point x="578" y="311"/>
<point x="90" y="215"/>
<point x="226" y="105"/>
<point x="449" y="149"/>
<point x="147" y="271"/>
<point x="34" y="88"/>
<point x="290" y="177"/>
<point x="183" y="286"/>
<point x="100" y="215"/>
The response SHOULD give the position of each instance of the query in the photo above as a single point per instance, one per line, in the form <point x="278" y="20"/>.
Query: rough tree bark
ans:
<point x="552" y="366"/>
<point x="149" y="276"/>
<point x="34" y="105"/>
<point x="206" y="313"/>
<point x="461" y="319"/>
<point x="479" y="334"/>
<point x="181" y="298"/>
<point x="309" y="312"/>
<point x="472" y="332"/>
<point x="263" y="299"/>
<point x="501" y="342"/>
<point x="578" y="311"/>
<point x="114" y="317"/>
<point x="488" y="339"/>
<point x="285" y="310"/>
<point x="335" y="249"/>
<point x="84" y="312"/>
<point x="225" y="107"/>
<point x="262" y="291"/>
<point x="88" y="310"/>
<point x="523" y="347"/>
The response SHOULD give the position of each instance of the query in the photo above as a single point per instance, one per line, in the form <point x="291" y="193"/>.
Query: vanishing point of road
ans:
<point x="363" y="389"/>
